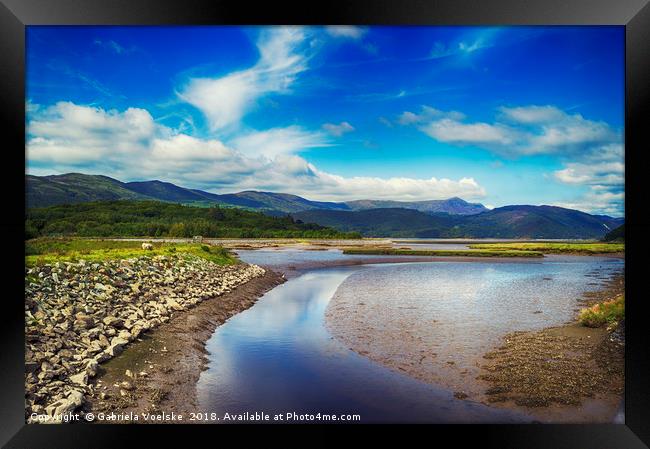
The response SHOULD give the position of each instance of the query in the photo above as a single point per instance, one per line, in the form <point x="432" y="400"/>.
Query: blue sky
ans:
<point x="509" y="115"/>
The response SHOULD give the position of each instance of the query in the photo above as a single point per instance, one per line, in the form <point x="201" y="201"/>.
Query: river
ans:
<point x="279" y="356"/>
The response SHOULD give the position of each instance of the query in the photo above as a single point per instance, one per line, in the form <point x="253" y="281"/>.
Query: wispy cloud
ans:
<point x="225" y="100"/>
<point x="85" y="79"/>
<point x="277" y="141"/>
<point x="338" y="129"/>
<point x="114" y="47"/>
<point x="346" y="31"/>
<point x="465" y="45"/>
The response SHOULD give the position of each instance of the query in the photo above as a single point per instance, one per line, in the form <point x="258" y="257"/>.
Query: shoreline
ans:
<point x="162" y="368"/>
<point x="588" y="379"/>
<point x="165" y="365"/>
<point x="570" y="337"/>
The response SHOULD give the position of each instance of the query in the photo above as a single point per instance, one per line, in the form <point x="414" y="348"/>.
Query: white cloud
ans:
<point x="346" y="31"/>
<point x="591" y="151"/>
<point x="605" y="173"/>
<point x="533" y="114"/>
<point x="277" y="141"/>
<point x="338" y="130"/>
<point x="188" y="148"/>
<point x="130" y="145"/>
<point x="225" y="100"/>
<point x="597" y="201"/>
<point x="68" y="132"/>
<point x="527" y="130"/>
<point x="406" y="189"/>
<point x="602" y="170"/>
<point x="453" y="131"/>
<point x="426" y="115"/>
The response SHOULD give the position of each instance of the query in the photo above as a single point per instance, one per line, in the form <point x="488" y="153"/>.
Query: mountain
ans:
<point x="283" y="202"/>
<point x="538" y="222"/>
<point x="166" y="191"/>
<point x="390" y="222"/>
<point x="72" y="188"/>
<point x="533" y="222"/>
<point x="615" y="235"/>
<point x="378" y="218"/>
<point x="453" y="206"/>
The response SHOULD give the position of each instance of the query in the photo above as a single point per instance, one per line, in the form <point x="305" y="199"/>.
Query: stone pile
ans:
<point x="78" y="315"/>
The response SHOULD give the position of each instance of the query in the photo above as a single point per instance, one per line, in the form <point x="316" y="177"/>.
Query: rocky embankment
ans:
<point x="78" y="315"/>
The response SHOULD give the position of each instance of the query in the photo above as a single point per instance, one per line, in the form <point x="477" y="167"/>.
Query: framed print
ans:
<point x="336" y="214"/>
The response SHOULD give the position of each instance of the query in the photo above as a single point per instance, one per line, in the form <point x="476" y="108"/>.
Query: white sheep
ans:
<point x="147" y="246"/>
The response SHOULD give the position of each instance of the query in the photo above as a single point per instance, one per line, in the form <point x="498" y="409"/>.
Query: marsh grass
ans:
<point x="604" y="313"/>
<point x="50" y="250"/>
<point x="466" y="253"/>
<point x="554" y="248"/>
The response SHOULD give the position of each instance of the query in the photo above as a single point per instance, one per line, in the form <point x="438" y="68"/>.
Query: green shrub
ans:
<point x="604" y="313"/>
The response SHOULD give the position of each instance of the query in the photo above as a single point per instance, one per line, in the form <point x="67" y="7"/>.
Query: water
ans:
<point x="278" y="356"/>
<point x="290" y="256"/>
<point x="436" y="320"/>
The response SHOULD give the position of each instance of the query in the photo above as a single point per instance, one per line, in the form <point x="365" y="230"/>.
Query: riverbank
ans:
<point x="569" y="373"/>
<point x="443" y="253"/>
<point x="80" y="314"/>
<point x="432" y="336"/>
<point x="159" y="373"/>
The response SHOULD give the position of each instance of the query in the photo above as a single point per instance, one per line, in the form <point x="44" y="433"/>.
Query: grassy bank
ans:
<point x="554" y="248"/>
<point x="466" y="253"/>
<point x="50" y="250"/>
<point x="608" y="313"/>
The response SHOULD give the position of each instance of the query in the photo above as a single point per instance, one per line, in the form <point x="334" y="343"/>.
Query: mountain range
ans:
<point x="449" y="218"/>
<point x="72" y="188"/>
<point x="509" y="222"/>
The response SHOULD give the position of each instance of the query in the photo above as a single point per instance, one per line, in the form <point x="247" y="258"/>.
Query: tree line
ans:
<point x="159" y="219"/>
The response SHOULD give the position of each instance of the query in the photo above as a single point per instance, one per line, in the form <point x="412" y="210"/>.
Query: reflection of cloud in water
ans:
<point x="278" y="356"/>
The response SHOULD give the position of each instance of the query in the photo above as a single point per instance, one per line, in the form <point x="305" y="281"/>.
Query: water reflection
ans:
<point x="278" y="357"/>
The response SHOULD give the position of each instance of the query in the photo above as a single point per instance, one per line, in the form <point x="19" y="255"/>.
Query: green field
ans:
<point x="554" y="248"/>
<point x="50" y="250"/>
<point x="462" y="252"/>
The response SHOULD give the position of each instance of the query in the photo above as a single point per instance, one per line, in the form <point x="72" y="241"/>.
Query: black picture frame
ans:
<point x="633" y="14"/>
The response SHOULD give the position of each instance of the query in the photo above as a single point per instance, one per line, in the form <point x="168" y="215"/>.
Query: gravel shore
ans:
<point x="79" y="315"/>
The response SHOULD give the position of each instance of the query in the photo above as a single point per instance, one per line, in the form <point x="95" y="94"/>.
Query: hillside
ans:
<point x="72" y="188"/>
<point x="615" y="235"/>
<point x="453" y="217"/>
<point x="452" y="206"/>
<point x="158" y="219"/>
<point x="282" y="202"/>
<point x="538" y="222"/>
<point x="505" y="222"/>
<point x="393" y="222"/>
<point x="166" y="191"/>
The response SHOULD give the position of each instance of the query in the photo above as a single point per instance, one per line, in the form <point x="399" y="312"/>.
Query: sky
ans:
<point x="507" y="115"/>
